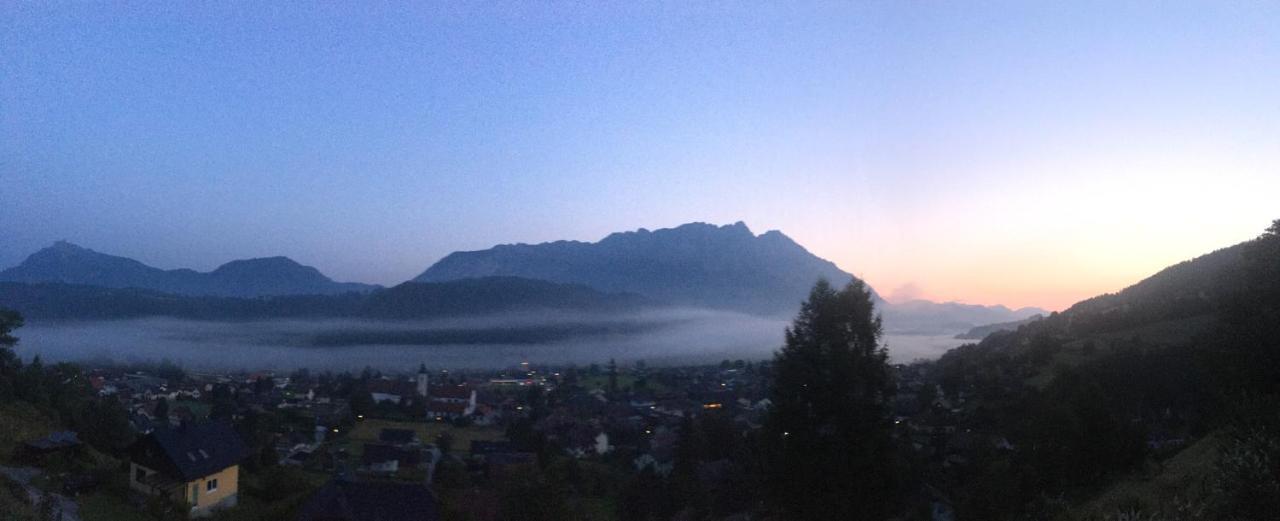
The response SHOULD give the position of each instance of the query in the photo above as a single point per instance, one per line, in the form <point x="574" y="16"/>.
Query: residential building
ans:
<point x="198" y="464"/>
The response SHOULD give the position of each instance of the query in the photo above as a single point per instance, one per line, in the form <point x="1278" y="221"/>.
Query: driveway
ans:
<point x="64" y="508"/>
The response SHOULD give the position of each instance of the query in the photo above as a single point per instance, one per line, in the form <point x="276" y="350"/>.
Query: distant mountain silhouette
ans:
<point x="693" y="265"/>
<point x="925" y="317"/>
<point x="697" y="264"/>
<point x="67" y="263"/>
<point x="981" y="332"/>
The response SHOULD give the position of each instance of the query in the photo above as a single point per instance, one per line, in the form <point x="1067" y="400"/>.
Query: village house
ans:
<point x="392" y="391"/>
<point x="398" y="391"/>
<point x="451" y="401"/>
<point x="54" y="443"/>
<point x="198" y="464"/>
<point x="388" y="459"/>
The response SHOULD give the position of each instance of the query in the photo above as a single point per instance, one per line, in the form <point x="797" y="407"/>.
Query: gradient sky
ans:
<point x="1025" y="153"/>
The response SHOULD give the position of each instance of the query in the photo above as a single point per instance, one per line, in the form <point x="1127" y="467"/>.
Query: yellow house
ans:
<point x="195" y="464"/>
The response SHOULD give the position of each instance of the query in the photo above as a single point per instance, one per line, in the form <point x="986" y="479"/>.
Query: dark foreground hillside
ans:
<point x="1157" y="402"/>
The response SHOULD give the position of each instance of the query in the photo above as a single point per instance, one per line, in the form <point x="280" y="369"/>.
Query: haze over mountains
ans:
<point x="695" y="265"/>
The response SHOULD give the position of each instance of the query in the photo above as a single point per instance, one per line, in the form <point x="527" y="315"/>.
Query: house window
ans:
<point x="211" y="485"/>
<point x="140" y="475"/>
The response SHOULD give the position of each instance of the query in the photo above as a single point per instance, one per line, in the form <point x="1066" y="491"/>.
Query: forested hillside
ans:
<point x="1104" y="392"/>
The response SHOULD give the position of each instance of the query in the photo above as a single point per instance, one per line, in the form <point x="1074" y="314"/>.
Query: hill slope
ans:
<point x="1177" y="373"/>
<point x="410" y="300"/>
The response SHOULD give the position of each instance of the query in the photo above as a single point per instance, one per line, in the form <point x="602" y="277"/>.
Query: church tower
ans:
<point x="422" y="380"/>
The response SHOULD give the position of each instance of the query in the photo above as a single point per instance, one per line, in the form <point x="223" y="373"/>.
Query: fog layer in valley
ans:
<point x="662" y="338"/>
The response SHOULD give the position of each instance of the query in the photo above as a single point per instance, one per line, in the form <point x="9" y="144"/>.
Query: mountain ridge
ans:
<point x="64" y="262"/>
<point x="698" y="264"/>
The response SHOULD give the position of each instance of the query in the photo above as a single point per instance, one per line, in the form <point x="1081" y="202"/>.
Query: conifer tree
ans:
<point x="827" y="435"/>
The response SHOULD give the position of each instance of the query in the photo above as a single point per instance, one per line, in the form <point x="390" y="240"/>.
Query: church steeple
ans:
<point x="422" y="380"/>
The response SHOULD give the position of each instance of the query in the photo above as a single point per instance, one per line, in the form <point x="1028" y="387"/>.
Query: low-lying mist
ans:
<point x="667" y="337"/>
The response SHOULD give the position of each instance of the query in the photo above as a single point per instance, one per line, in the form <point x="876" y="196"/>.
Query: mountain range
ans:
<point x="67" y="263"/>
<point x="694" y="265"/>
<point x="930" y="318"/>
<point x="706" y="266"/>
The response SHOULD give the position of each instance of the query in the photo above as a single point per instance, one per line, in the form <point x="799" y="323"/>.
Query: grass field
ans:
<point x="106" y="506"/>
<point x="624" y="381"/>
<point x="1180" y="477"/>
<point x="367" y="431"/>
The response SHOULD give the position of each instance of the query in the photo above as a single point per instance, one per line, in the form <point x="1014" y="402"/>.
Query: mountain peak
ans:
<point x="64" y="249"/>
<point x="696" y="264"/>
<point x="737" y="228"/>
<point x="64" y="254"/>
<point x="65" y="245"/>
<point x="261" y="263"/>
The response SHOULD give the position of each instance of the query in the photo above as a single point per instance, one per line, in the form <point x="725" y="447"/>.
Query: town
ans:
<point x="587" y="442"/>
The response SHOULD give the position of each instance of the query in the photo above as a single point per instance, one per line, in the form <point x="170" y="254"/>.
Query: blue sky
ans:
<point x="1027" y="153"/>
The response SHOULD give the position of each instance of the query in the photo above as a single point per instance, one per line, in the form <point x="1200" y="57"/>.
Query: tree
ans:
<point x="444" y="442"/>
<point x="162" y="410"/>
<point x="361" y="401"/>
<point x="222" y="405"/>
<point x="1262" y="268"/>
<point x="10" y="364"/>
<point x="105" y="425"/>
<point x="9" y="321"/>
<point x="171" y="372"/>
<point x="524" y="492"/>
<point x="827" y="436"/>
<point x="613" y="377"/>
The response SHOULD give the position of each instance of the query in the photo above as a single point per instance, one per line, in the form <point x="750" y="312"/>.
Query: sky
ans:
<point x="1022" y="153"/>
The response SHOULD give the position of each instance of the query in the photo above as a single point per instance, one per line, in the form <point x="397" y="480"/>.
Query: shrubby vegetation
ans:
<point x="61" y="392"/>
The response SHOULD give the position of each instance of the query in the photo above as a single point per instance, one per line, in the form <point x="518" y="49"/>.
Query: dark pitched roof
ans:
<point x="341" y="500"/>
<point x="55" y="441"/>
<point x="454" y="392"/>
<point x="396" y="387"/>
<point x="191" y="451"/>
<point x="397" y="435"/>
